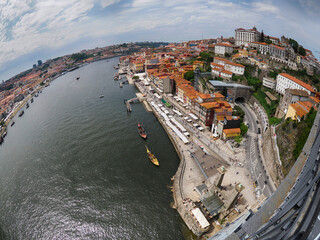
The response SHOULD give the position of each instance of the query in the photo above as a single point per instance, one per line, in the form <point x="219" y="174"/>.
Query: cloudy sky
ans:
<point x="41" y="29"/>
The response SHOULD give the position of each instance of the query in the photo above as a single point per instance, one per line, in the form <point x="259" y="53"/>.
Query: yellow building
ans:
<point x="197" y="64"/>
<point x="230" y="133"/>
<point x="297" y="110"/>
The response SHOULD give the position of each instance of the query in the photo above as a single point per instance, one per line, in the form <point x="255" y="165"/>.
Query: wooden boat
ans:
<point x="152" y="158"/>
<point x="101" y="96"/>
<point x="141" y="131"/>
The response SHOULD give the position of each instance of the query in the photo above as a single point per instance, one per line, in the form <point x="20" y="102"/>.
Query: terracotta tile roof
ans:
<point x="296" y="80"/>
<point x="280" y="48"/>
<point x="315" y="99"/>
<point x="235" y="64"/>
<point x="232" y="131"/>
<point x="301" y="108"/>
<point x="227" y="72"/>
<point x="216" y="65"/>
<point x="223" y="44"/>
<point x="221" y="59"/>
<point x="218" y="95"/>
<point x="210" y="105"/>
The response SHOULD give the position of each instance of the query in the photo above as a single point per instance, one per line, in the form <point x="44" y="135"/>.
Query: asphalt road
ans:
<point x="315" y="233"/>
<point x="254" y="161"/>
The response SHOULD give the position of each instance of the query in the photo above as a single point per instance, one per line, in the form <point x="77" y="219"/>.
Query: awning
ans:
<point x="193" y="116"/>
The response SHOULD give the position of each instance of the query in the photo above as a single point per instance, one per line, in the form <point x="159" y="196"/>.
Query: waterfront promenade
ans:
<point x="190" y="174"/>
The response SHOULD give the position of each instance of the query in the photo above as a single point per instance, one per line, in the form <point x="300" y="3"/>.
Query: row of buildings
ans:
<point x="166" y="70"/>
<point x="297" y="96"/>
<point x="279" y="50"/>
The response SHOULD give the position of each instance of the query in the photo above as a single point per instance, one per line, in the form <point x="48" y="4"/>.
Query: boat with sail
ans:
<point x="152" y="158"/>
<point x="141" y="131"/>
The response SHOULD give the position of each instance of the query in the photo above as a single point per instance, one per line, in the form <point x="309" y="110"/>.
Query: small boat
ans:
<point x="21" y="113"/>
<point x="12" y="123"/>
<point x="27" y="106"/>
<point x="4" y="134"/>
<point x="1" y="140"/>
<point x="77" y="78"/>
<point x="142" y="132"/>
<point x="120" y="85"/>
<point x="101" y="96"/>
<point x="152" y="158"/>
<point x="31" y="100"/>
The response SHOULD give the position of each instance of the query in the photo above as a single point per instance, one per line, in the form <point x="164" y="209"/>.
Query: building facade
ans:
<point x="222" y="48"/>
<point x="246" y="36"/>
<point x="269" y="82"/>
<point x="285" y="80"/>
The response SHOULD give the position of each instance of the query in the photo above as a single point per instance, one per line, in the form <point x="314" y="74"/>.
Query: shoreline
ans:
<point x="177" y="189"/>
<point x="23" y="102"/>
<point x="190" y="175"/>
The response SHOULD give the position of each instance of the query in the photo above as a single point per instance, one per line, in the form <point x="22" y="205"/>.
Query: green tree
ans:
<point x="262" y="36"/>
<point x="294" y="44"/>
<point x="238" y="139"/>
<point x="189" y="76"/>
<point x="301" y="51"/>
<point x="226" y="54"/>
<point x="206" y="57"/>
<point x="243" y="128"/>
<point x="237" y="111"/>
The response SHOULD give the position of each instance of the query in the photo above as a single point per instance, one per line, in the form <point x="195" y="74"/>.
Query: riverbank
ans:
<point x="190" y="174"/>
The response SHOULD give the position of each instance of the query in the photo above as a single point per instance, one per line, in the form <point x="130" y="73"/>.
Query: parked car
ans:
<point x="259" y="130"/>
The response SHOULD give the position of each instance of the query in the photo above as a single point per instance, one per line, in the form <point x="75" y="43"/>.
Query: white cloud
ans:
<point x="40" y="24"/>
<point x="107" y="3"/>
<point x="265" y="7"/>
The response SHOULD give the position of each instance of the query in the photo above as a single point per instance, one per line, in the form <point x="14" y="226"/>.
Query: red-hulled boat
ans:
<point x="141" y="131"/>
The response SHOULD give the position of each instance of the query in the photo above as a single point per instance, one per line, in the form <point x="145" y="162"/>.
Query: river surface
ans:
<point x="74" y="167"/>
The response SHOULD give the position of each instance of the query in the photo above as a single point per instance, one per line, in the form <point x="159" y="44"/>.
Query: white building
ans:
<point x="243" y="36"/>
<point x="215" y="71"/>
<point x="284" y="81"/>
<point x="226" y="74"/>
<point x="222" y="48"/>
<point x="262" y="47"/>
<point x="235" y="68"/>
<point x="269" y="82"/>
<point x="220" y="61"/>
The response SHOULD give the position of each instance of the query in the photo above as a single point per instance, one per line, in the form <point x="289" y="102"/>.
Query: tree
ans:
<point x="237" y="111"/>
<point x="262" y="36"/>
<point x="189" y="76"/>
<point x="294" y="44"/>
<point x="301" y="51"/>
<point x="206" y="57"/>
<point x="238" y="139"/>
<point x="267" y="40"/>
<point x="243" y="128"/>
<point x="226" y="54"/>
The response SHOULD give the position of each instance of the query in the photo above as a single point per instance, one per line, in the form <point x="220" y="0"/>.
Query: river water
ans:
<point x="74" y="167"/>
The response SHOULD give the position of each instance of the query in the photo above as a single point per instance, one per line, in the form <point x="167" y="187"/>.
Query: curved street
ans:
<point x="254" y="161"/>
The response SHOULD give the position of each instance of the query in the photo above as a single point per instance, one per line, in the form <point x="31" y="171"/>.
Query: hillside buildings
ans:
<point x="224" y="68"/>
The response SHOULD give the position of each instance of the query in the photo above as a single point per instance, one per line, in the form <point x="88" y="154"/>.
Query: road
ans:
<point x="315" y="233"/>
<point x="254" y="161"/>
